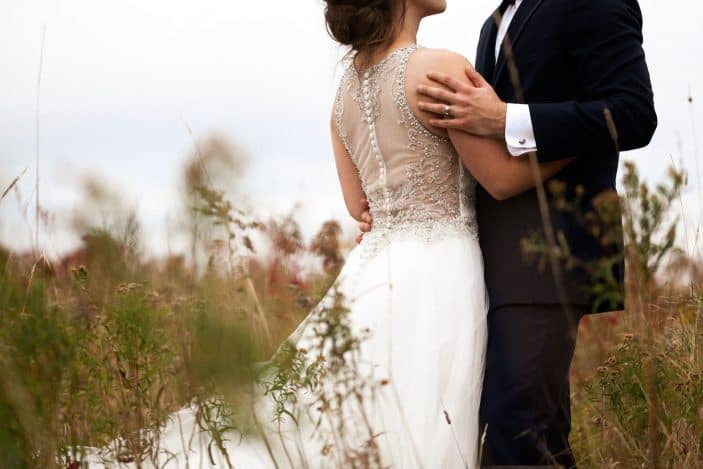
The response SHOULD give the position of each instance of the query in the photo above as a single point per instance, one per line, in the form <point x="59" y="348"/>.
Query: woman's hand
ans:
<point x="365" y="224"/>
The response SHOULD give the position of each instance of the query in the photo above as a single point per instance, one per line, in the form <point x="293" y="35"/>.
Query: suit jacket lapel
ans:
<point x="517" y="26"/>
<point x="485" y="54"/>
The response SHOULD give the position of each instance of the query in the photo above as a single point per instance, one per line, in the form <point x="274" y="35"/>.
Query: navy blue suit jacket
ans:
<point x="574" y="59"/>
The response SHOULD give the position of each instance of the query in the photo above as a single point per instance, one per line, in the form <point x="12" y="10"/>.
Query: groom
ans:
<point x="549" y="71"/>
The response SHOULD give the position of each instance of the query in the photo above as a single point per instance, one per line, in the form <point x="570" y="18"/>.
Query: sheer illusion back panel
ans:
<point x="412" y="178"/>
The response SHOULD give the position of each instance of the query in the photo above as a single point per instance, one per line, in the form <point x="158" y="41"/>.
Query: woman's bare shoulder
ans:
<point x="424" y="61"/>
<point x="440" y="60"/>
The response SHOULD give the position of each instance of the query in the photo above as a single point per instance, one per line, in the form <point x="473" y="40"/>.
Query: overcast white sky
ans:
<point x="120" y="77"/>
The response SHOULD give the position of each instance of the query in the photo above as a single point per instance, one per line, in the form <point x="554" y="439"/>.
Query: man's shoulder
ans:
<point x="603" y="7"/>
<point x="608" y="14"/>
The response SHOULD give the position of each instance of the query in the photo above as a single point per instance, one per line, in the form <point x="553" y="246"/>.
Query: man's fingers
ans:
<point x="359" y="237"/>
<point x="437" y="93"/>
<point x="446" y="80"/>
<point x="434" y="108"/>
<point x="475" y="77"/>
<point x="366" y="216"/>
<point x="446" y="123"/>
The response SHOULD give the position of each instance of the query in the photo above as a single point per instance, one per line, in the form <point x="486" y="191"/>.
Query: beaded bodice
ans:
<point x="413" y="179"/>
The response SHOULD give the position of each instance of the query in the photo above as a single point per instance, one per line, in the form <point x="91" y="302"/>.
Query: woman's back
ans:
<point x="413" y="179"/>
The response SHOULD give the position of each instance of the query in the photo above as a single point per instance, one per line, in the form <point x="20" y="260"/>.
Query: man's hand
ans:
<point x="474" y="109"/>
<point x="365" y="224"/>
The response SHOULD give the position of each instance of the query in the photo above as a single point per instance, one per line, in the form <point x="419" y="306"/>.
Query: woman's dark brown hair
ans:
<point x="364" y="25"/>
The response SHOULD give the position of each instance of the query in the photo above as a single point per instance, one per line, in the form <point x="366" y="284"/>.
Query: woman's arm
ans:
<point x="348" y="177"/>
<point x="501" y="174"/>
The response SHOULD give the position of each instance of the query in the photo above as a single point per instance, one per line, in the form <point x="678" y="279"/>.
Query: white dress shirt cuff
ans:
<point x="519" y="134"/>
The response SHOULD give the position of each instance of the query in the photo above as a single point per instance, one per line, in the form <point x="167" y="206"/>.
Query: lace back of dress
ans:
<point x="413" y="179"/>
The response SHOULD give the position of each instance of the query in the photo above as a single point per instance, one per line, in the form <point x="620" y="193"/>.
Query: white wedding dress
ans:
<point x="406" y="394"/>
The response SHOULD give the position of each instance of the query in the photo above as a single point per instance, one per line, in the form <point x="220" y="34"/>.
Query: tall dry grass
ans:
<point x="637" y="397"/>
<point x="101" y="346"/>
<point x="643" y="366"/>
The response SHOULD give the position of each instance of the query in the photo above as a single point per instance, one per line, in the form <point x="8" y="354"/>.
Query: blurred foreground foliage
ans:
<point x="101" y="346"/>
<point x="638" y="374"/>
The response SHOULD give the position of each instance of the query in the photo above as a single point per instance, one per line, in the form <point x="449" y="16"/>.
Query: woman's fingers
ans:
<point x="366" y="220"/>
<point x="365" y="223"/>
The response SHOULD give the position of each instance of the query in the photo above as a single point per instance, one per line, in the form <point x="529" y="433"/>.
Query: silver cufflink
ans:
<point x="522" y="141"/>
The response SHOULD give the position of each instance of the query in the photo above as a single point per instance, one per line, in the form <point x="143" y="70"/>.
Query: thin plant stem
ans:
<point x="699" y="184"/>
<point x="539" y="183"/>
<point x="37" y="143"/>
<point x="13" y="183"/>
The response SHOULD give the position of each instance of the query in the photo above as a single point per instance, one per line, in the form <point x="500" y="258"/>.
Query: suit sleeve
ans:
<point x="605" y="48"/>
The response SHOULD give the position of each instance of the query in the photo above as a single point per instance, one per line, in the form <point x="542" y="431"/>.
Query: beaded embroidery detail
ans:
<point x="344" y="86"/>
<point x="434" y="198"/>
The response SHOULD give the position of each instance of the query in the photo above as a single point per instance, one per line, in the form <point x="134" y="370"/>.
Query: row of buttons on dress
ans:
<point x="374" y="144"/>
<point x="372" y="126"/>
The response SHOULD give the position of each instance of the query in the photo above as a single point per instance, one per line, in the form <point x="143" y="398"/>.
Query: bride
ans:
<point x="387" y="370"/>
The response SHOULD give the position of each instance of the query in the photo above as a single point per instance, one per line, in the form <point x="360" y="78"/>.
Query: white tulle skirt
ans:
<point x="421" y="307"/>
